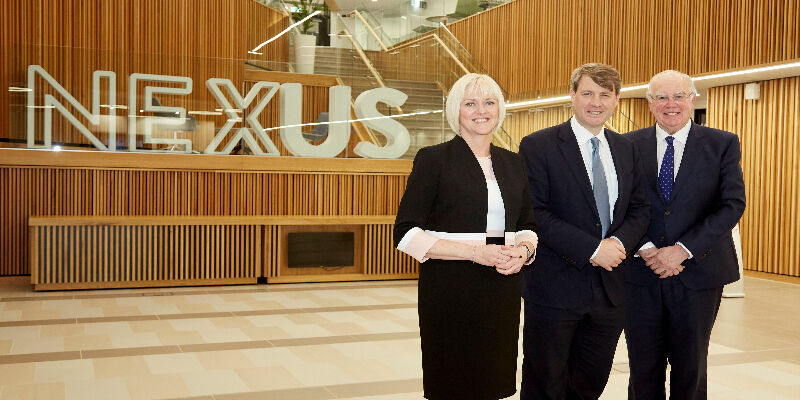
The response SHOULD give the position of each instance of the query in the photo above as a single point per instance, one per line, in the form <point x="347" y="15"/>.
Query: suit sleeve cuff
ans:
<point x="595" y="251"/>
<point x="417" y="243"/>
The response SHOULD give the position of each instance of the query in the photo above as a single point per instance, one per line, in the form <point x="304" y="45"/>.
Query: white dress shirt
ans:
<point x="584" y="137"/>
<point x="679" y="143"/>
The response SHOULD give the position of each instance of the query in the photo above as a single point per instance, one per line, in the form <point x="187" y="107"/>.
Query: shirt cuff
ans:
<point x="416" y="244"/>
<point x="646" y="246"/>
<point x="685" y="248"/>
<point x="620" y="242"/>
<point x="528" y="236"/>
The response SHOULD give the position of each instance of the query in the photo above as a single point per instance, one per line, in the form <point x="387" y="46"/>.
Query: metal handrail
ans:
<point x="450" y="53"/>
<point x="364" y="57"/>
<point x="369" y="28"/>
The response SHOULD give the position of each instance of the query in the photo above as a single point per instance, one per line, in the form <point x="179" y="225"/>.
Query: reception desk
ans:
<point x="108" y="252"/>
<point x="90" y="219"/>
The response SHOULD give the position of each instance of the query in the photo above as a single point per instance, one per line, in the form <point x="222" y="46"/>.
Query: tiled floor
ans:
<point x="309" y="341"/>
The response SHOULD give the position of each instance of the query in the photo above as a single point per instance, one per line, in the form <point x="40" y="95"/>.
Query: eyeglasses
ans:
<point x="677" y="97"/>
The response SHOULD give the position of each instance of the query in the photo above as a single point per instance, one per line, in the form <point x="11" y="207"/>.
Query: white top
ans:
<point x="584" y="138"/>
<point x="496" y="215"/>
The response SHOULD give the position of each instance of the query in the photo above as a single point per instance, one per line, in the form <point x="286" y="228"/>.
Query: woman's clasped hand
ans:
<point x="507" y="260"/>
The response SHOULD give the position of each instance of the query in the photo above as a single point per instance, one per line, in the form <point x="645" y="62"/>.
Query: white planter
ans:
<point x="304" y="53"/>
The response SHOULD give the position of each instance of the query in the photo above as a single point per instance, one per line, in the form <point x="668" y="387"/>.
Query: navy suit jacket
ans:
<point x="567" y="221"/>
<point x="707" y="201"/>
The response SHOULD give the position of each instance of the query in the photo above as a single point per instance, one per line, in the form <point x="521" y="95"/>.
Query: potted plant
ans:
<point x="305" y="42"/>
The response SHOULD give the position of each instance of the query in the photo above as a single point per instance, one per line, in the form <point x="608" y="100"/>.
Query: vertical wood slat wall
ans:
<point x="86" y="252"/>
<point x="631" y="114"/>
<point x="93" y="256"/>
<point x="72" y="38"/>
<point x="769" y="133"/>
<point x="61" y="191"/>
<point x="530" y="46"/>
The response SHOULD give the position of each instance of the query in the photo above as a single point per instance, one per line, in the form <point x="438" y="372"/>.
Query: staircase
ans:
<point x="425" y="129"/>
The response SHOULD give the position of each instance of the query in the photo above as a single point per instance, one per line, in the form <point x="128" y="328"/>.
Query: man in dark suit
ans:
<point x="591" y="210"/>
<point x="696" y="192"/>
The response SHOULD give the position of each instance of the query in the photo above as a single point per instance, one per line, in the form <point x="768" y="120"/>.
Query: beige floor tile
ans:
<point x="374" y="370"/>
<point x="120" y="367"/>
<point x="195" y="324"/>
<point x="113" y="329"/>
<point x="229" y="323"/>
<point x="265" y="333"/>
<point x="17" y="374"/>
<point x="62" y="330"/>
<point x="5" y="346"/>
<point x="150" y="326"/>
<point x="156" y="387"/>
<point x="274" y="357"/>
<point x="43" y="314"/>
<point x="347" y="328"/>
<point x="97" y="389"/>
<point x="173" y="363"/>
<point x="15" y="332"/>
<point x="268" y="378"/>
<point x="64" y="371"/>
<point x="42" y="391"/>
<point x="34" y="344"/>
<point x="196" y="308"/>
<point x="213" y="382"/>
<point x="223" y="335"/>
<point x="180" y="337"/>
<point x="87" y="342"/>
<point x="137" y="340"/>
<point x="10" y="315"/>
<point x="231" y="360"/>
<point x="616" y="388"/>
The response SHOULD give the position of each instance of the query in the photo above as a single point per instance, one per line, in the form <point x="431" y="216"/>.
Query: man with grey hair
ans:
<point x="589" y="202"/>
<point x="696" y="192"/>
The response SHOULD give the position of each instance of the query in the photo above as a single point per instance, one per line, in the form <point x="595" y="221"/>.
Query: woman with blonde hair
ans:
<point x="466" y="217"/>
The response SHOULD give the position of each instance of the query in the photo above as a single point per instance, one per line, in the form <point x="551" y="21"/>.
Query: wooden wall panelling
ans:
<point x="768" y="129"/>
<point x="535" y="44"/>
<point x="172" y="37"/>
<point x="93" y="256"/>
<point x="381" y="258"/>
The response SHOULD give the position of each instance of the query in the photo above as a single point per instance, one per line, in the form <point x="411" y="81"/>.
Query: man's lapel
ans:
<point x="692" y="152"/>
<point x="568" y="145"/>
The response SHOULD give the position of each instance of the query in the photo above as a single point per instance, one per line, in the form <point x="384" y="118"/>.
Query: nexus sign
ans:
<point x="231" y="103"/>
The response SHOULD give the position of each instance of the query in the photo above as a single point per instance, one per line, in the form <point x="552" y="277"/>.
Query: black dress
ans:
<point x="468" y="313"/>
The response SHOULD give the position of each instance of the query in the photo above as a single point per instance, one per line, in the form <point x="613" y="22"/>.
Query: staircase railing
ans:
<point x="364" y="58"/>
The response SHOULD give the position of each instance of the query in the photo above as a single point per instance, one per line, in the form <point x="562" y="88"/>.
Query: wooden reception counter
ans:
<point x="86" y="219"/>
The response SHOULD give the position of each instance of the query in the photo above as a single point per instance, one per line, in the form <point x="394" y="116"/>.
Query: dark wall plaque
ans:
<point x="321" y="249"/>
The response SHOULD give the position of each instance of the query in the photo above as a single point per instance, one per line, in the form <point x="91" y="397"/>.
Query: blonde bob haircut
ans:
<point x="485" y="85"/>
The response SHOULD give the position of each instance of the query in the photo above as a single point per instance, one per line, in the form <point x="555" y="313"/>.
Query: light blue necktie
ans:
<point x="600" y="187"/>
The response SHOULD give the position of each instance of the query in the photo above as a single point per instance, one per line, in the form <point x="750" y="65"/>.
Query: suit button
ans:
<point x="662" y="238"/>
<point x="666" y="212"/>
<point x="597" y="225"/>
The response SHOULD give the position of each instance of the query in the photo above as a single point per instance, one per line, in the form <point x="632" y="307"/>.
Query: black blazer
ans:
<point x="567" y="220"/>
<point x="446" y="191"/>
<point x="707" y="201"/>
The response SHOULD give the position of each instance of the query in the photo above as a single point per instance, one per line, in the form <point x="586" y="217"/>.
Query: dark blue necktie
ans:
<point x="666" y="176"/>
<point x="600" y="187"/>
